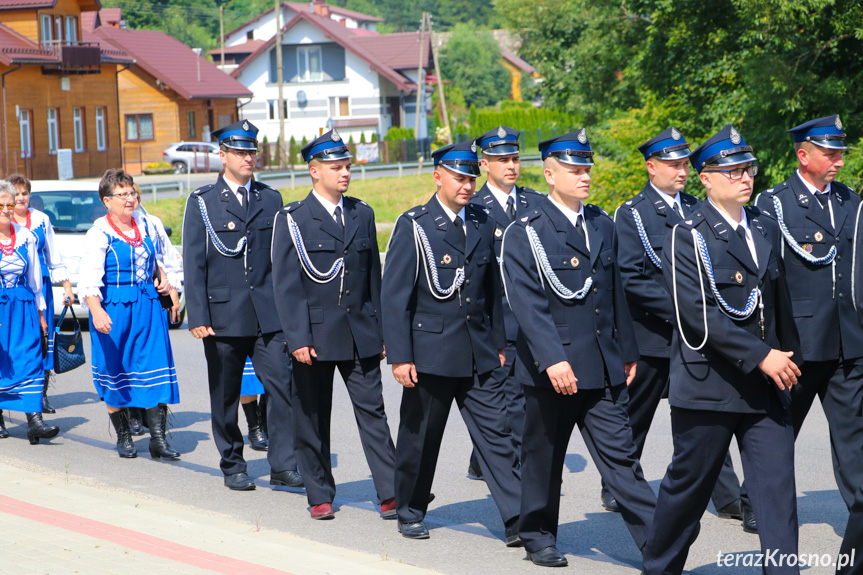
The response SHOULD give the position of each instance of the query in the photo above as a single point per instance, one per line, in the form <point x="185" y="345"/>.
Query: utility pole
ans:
<point x="283" y="157"/>
<point x="222" y="32"/>
<point x="440" y="87"/>
<point x="420" y="86"/>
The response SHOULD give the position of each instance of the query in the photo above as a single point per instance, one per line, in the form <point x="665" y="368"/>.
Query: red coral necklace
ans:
<point x="135" y="240"/>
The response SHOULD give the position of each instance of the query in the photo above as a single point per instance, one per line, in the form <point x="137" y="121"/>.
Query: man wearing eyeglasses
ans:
<point x="227" y="232"/>
<point x="818" y="217"/>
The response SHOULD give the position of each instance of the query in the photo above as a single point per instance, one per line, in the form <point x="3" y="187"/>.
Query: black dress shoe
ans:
<point x="239" y="482"/>
<point x="413" y="530"/>
<point x="548" y="557"/>
<point x="286" y="478"/>
<point x="511" y="534"/>
<point x="731" y="511"/>
<point x="473" y="472"/>
<point x="610" y="503"/>
<point x="749" y="524"/>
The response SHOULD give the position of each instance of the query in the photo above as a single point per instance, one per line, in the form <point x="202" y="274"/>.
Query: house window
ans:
<point x="340" y="107"/>
<point x="101" y="141"/>
<point x="58" y="23"/>
<point x="190" y="119"/>
<point x="53" y="130"/>
<point x="71" y="30"/>
<point x="309" y="64"/>
<point x="250" y="35"/>
<point x="26" y="135"/>
<point x="47" y="30"/>
<point x="274" y="109"/>
<point x="139" y="127"/>
<point x="78" y="125"/>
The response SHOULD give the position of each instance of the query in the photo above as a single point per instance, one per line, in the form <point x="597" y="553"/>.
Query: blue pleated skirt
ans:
<point x="48" y="293"/>
<point x="133" y="365"/>
<point x="21" y="367"/>
<point x="251" y="384"/>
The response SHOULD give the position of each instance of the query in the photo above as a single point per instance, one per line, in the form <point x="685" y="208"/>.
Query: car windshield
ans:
<point x="69" y="210"/>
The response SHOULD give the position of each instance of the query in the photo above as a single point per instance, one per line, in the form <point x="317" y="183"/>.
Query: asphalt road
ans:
<point x="466" y="531"/>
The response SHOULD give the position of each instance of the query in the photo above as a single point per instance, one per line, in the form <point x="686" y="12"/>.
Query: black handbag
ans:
<point x="68" y="347"/>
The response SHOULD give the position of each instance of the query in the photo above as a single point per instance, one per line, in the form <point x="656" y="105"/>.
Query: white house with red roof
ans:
<point x="338" y="72"/>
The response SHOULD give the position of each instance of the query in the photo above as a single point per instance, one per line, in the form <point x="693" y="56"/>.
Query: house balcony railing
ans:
<point x="74" y="57"/>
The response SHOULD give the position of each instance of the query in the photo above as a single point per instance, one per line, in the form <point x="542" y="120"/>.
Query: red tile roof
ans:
<point x="245" y="48"/>
<point x="303" y="7"/>
<point x="105" y="16"/>
<point x="399" y="51"/>
<point x="173" y="63"/>
<point x="7" y="5"/>
<point x="517" y="62"/>
<point x="18" y="49"/>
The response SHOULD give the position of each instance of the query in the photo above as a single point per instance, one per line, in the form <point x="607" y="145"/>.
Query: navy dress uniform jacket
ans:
<point x="233" y="295"/>
<point x="526" y="199"/>
<point x="649" y="301"/>
<point x="452" y="337"/>
<point x="817" y="315"/>
<point x="322" y="317"/>
<point x="723" y="375"/>
<point x="553" y="329"/>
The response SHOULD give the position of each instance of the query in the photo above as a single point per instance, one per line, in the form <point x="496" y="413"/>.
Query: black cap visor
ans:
<point x="332" y="154"/>
<point x="501" y="149"/>
<point x="679" y="152"/>
<point x="731" y="157"/>
<point x="462" y="167"/>
<point x="573" y="157"/>
<point x="829" y="141"/>
<point x="240" y="143"/>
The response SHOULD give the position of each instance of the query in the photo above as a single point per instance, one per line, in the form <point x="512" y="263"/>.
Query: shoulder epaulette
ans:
<point x="203" y="189"/>
<point x="688" y="199"/>
<point x="635" y="199"/>
<point x="532" y="191"/>
<point x="528" y="217"/>
<point x="597" y="209"/>
<point x="416" y="212"/>
<point x="292" y="206"/>
<point x="692" y="220"/>
<point x="478" y="208"/>
<point x="753" y="211"/>
<point x="357" y="200"/>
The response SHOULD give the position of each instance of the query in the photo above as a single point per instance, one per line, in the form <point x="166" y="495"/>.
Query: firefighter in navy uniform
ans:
<point x="501" y="196"/>
<point x="732" y="362"/>
<point x="818" y="217"/>
<point x="444" y="332"/>
<point x="576" y="349"/>
<point x="641" y="225"/>
<point x="327" y="277"/>
<point x="227" y="231"/>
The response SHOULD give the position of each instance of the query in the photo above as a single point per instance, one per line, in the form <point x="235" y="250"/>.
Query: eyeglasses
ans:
<point x="125" y="196"/>
<point x="7" y="207"/>
<point x="243" y="153"/>
<point x="735" y="174"/>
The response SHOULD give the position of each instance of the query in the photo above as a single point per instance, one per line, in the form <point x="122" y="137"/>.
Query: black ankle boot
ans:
<point x="3" y="433"/>
<point x="257" y="440"/>
<point x="135" y="417"/>
<point x="157" y="420"/>
<point x="125" y="445"/>
<point x="46" y="407"/>
<point x="262" y="415"/>
<point x="37" y="429"/>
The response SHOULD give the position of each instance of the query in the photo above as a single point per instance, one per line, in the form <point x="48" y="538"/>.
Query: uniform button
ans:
<point x="347" y="292"/>
<point x="419" y="325"/>
<point x="837" y="240"/>
<point x="838" y="258"/>
<point x="466" y="262"/>
<point x="595" y="290"/>
<point x="839" y="276"/>
<point x="347" y="272"/>
<point x="251" y="269"/>
<point x="597" y="332"/>
<point x="760" y="283"/>
<point x="252" y="288"/>
<point x="841" y="295"/>
<point x="348" y="310"/>
<point x="346" y="252"/>
<point x="739" y="362"/>
<point x="593" y="271"/>
<point x="467" y="299"/>
<point x="467" y="318"/>
<point x="596" y="311"/>
<point x="536" y="364"/>
<point x="467" y="281"/>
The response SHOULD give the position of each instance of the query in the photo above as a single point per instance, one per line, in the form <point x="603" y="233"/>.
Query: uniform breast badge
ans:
<point x="819" y="236"/>
<point x="447" y="259"/>
<point x="807" y="248"/>
<point x="498" y="232"/>
<point x="231" y="225"/>
<point x="738" y="277"/>
<point x="574" y="261"/>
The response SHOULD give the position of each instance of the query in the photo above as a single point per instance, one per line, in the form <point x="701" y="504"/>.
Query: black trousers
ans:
<point x="839" y="385"/>
<point x="424" y="412"/>
<point x="852" y="544"/>
<point x="601" y="417"/>
<point x="502" y="377"/>
<point x="313" y="405"/>
<point x="645" y="392"/>
<point x="701" y="440"/>
<point x="226" y="357"/>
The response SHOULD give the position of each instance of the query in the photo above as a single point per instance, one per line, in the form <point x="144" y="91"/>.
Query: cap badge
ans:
<point x="818" y="236"/>
<point x="738" y="277"/>
<point x="574" y="262"/>
<point x="473" y="146"/>
<point x="231" y="225"/>
<point x="807" y="248"/>
<point x="246" y="126"/>
<point x="734" y="136"/>
<point x="501" y="133"/>
<point x="498" y="232"/>
<point x="838" y="123"/>
<point x="447" y="258"/>
<point x="675" y="135"/>
<point x="582" y="136"/>
<point x="335" y="136"/>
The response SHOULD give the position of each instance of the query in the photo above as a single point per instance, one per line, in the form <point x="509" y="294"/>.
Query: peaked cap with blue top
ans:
<point x="572" y="148"/>
<point x="501" y="141"/>
<point x="669" y="145"/>
<point x="327" y="148"/>
<point x="242" y="135"/>
<point x="825" y="132"/>
<point x="459" y="158"/>
<point x="724" y="148"/>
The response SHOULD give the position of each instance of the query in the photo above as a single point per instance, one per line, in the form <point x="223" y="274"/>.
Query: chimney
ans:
<point x="320" y="8"/>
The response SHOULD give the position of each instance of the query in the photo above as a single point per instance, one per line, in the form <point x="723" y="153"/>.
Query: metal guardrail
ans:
<point x="402" y="167"/>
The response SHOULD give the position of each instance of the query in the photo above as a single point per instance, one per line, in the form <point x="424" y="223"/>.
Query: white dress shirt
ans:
<point x="750" y="242"/>
<point x="573" y="216"/>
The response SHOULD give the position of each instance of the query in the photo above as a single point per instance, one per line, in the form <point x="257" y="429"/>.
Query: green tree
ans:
<point x="471" y="60"/>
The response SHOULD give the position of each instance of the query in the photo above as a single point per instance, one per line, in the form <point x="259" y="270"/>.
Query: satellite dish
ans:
<point x="301" y="98"/>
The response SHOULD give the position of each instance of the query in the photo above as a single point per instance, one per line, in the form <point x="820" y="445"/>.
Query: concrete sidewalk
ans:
<point x="54" y="523"/>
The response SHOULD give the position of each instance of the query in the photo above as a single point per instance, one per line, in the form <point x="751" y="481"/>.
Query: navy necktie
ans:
<point x="460" y="225"/>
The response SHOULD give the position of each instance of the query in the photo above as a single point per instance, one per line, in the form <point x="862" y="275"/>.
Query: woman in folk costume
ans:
<point x="133" y="365"/>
